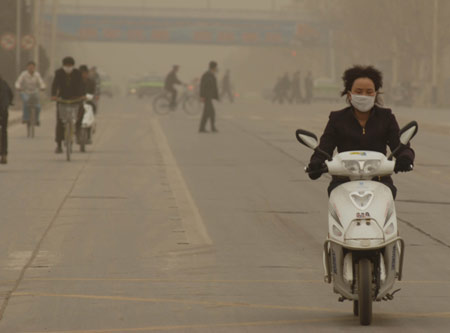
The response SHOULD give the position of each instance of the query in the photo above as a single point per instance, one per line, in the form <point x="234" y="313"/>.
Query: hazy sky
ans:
<point x="123" y="60"/>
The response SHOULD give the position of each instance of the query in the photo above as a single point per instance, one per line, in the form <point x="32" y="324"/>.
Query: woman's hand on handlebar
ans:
<point x="315" y="169"/>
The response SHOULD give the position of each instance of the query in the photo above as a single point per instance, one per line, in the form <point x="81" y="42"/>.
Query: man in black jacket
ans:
<point x="67" y="84"/>
<point x="208" y="92"/>
<point x="6" y="98"/>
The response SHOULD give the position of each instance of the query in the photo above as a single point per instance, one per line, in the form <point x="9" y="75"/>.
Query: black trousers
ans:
<point x="296" y="96"/>
<point x="208" y="114"/>
<point x="173" y="98"/>
<point x="4" y="132"/>
<point x="227" y="91"/>
<point x="59" y="135"/>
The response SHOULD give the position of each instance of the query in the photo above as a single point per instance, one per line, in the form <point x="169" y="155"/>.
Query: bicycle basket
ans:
<point x="67" y="112"/>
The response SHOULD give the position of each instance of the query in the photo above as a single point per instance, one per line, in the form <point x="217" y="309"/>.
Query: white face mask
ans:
<point x="68" y="69"/>
<point x="362" y="103"/>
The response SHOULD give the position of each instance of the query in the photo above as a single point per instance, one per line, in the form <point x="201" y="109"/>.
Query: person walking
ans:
<point x="309" y="85"/>
<point x="209" y="92"/>
<point x="296" y="94"/>
<point x="226" y="87"/>
<point x="6" y="98"/>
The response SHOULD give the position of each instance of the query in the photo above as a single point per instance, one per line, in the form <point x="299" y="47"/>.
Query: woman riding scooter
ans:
<point x="363" y="125"/>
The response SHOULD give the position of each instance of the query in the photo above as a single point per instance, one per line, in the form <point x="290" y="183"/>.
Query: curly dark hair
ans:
<point x="358" y="71"/>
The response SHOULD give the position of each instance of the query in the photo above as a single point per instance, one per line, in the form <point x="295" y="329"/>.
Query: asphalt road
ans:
<point x="160" y="228"/>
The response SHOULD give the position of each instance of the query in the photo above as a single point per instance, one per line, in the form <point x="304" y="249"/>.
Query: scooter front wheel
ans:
<point x="365" y="291"/>
<point x="356" y="308"/>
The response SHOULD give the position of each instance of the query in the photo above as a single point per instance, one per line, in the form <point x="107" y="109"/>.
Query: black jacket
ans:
<point x="6" y="96"/>
<point x="89" y="86"/>
<point x="171" y="80"/>
<point x="208" y="86"/>
<point x="345" y="133"/>
<point x="68" y="86"/>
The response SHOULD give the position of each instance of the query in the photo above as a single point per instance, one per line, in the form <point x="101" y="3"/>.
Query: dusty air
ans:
<point x="224" y="165"/>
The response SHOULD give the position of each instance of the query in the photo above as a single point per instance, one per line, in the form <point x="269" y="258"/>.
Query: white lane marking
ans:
<point x="18" y="259"/>
<point x="194" y="226"/>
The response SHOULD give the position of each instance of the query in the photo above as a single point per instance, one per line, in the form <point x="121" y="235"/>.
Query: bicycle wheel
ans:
<point x="68" y="139"/>
<point x="191" y="105"/>
<point x="161" y="105"/>
<point x="32" y="122"/>
<point x="83" y="139"/>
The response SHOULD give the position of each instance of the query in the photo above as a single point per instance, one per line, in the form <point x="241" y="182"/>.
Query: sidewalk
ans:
<point x="15" y="117"/>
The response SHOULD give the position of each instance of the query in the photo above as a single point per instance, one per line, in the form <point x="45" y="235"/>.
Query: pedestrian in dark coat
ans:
<point x="309" y="86"/>
<point x="6" y="99"/>
<point x="209" y="92"/>
<point x="226" y="87"/>
<point x="296" y="94"/>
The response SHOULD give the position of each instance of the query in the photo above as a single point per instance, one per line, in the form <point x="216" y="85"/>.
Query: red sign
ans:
<point x="28" y="42"/>
<point x="8" y="41"/>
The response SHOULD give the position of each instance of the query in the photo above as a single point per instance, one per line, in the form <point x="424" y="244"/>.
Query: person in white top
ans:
<point x="29" y="83"/>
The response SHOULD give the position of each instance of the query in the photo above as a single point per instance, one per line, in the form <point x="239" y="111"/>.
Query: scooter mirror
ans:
<point x="408" y="132"/>
<point x="307" y="138"/>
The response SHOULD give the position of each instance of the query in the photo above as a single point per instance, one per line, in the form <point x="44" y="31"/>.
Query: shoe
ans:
<point x="38" y="123"/>
<point x="58" y="150"/>
<point x="203" y="131"/>
<point x="215" y="130"/>
<point x="3" y="160"/>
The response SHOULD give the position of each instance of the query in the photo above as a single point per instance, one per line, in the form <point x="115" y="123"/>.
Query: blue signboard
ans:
<point x="185" y="30"/>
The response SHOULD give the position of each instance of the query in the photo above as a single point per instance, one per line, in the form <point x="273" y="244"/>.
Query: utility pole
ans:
<point x="394" y="62"/>
<point x="435" y="48"/>
<point x="332" y="55"/>
<point x="37" y="32"/>
<point x="53" y="36"/>
<point x="18" y="34"/>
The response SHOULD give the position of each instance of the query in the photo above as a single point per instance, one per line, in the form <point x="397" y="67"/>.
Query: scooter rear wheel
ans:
<point x="365" y="291"/>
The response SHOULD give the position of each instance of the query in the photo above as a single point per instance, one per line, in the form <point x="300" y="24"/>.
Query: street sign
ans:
<point x="28" y="42"/>
<point x="8" y="41"/>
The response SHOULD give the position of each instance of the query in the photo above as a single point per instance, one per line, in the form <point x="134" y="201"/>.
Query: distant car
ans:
<point x="106" y="86"/>
<point x="326" y="89"/>
<point x="146" y="86"/>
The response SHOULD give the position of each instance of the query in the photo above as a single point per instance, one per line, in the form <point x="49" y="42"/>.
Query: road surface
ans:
<point x="160" y="228"/>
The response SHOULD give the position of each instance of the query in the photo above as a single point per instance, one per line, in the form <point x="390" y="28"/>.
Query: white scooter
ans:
<point x="87" y="123"/>
<point x="363" y="253"/>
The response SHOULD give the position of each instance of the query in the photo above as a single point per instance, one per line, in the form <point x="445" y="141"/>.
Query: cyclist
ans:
<point x="67" y="84"/>
<point x="169" y="85"/>
<point x="28" y="83"/>
<point x="6" y="98"/>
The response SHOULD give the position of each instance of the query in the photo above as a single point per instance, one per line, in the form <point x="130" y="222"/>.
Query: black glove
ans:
<point x="403" y="164"/>
<point x="315" y="169"/>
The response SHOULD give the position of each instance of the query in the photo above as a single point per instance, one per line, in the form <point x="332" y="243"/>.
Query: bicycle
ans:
<point x="32" y="103"/>
<point x="187" y="99"/>
<point x="68" y="113"/>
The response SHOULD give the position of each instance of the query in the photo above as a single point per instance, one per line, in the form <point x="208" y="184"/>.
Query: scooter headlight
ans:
<point x="371" y="166"/>
<point x="352" y="166"/>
